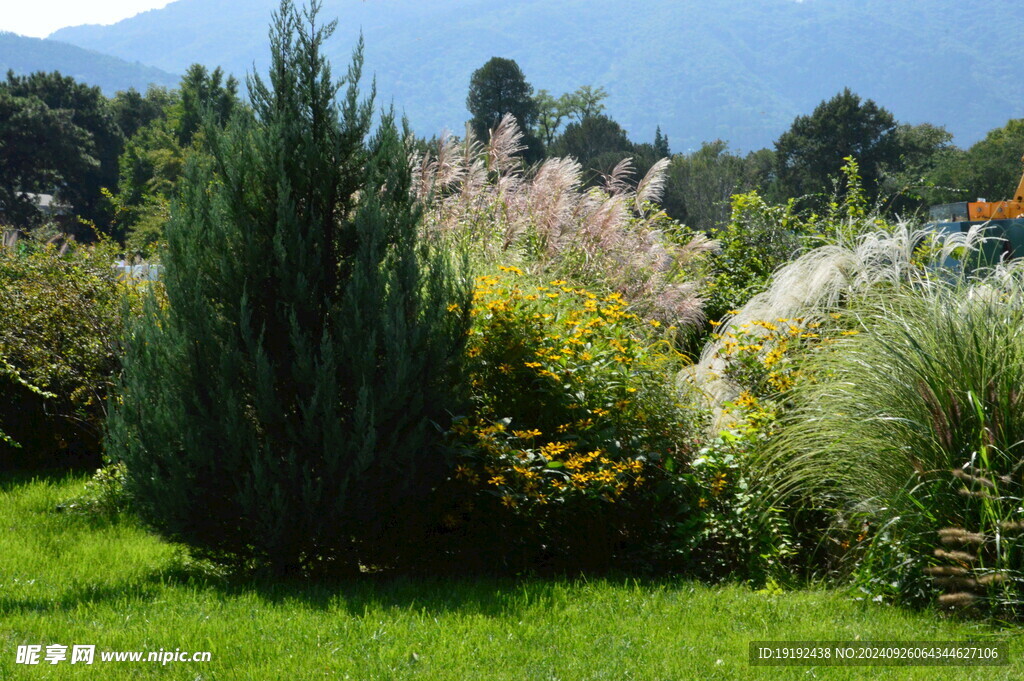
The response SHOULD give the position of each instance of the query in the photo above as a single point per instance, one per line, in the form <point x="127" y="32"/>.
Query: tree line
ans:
<point x="904" y="167"/>
<point x="115" y="162"/>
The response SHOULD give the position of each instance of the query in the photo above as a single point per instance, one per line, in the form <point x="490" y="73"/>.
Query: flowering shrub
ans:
<point x="736" y="531"/>
<point x="573" y="415"/>
<point x="60" y="325"/>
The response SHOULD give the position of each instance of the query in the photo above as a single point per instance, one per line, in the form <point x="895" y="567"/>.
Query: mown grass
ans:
<point x="73" y="579"/>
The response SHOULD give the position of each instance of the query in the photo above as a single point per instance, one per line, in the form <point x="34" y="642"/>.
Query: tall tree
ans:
<point x="809" y="155"/>
<point x="91" y="112"/>
<point x="41" y="151"/>
<point x="661" y="148"/>
<point x="133" y="110"/>
<point x="498" y="88"/>
<point x="700" y="185"/>
<point x="586" y="101"/>
<point x="990" y="169"/>
<point x="597" y="142"/>
<point x="281" y="408"/>
<point x="551" y="111"/>
<point x="203" y="93"/>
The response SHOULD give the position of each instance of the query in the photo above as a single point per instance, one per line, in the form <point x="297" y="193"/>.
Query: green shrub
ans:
<point x="284" y="409"/>
<point x="60" y="326"/>
<point x="577" y="443"/>
<point x="912" y="439"/>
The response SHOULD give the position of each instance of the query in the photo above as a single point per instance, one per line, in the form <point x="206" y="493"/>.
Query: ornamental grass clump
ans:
<point x="911" y="439"/>
<point x="286" y="408"/>
<point x="543" y="219"/>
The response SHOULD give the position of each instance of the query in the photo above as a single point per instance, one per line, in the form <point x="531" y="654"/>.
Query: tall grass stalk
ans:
<point x="916" y="425"/>
<point x="545" y="220"/>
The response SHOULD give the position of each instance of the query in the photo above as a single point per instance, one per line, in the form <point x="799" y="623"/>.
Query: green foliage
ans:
<point x="134" y="111"/>
<point x="550" y="114"/>
<point x="758" y="239"/>
<point x="104" y="494"/>
<point x="577" y="440"/>
<point x="585" y="102"/>
<point x="86" y="165"/>
<point x="154" y="158"/>
<point x="700" y="185"/>
<point x="597" y="142"/>
<point x="911" y="185"/>
<point x="40" y="148"/>
<point x="60" y="326"/>
<point x="283" y="408"/>
<point x="989" y="169"/>
<point x="815" y="146"/>
<point x="203" y="99"/>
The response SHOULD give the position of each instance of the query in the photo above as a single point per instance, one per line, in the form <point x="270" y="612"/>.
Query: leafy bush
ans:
<point x="737" y="534"/>
<point x="912" y="441"/>
<point x="104" y="493"/>
<point x="577" y="440"/>
<point x="60" y="327"/>
<point x="761" y="238"/>
<point x="758" y="239"/>
<point x="282" y="410"/>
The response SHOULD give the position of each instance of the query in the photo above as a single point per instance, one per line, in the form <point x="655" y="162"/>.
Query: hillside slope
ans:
<point x="733" y="69"/>
<point x="24" y="55"/>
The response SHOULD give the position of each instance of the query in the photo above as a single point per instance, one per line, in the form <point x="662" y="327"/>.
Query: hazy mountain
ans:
<point x="24" y="55"/>
<point x="703" y="69"/>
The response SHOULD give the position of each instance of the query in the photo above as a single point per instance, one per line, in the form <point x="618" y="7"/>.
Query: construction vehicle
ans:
<point x="1003" y="220"/>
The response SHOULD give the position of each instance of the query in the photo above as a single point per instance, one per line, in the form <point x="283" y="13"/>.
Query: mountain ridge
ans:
<point x="739" y="70"/>
<point x="23" y="55"/>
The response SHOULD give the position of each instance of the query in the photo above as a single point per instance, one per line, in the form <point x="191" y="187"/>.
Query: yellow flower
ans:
<point x="849" y="333"/>
<point x="497" y="480"/>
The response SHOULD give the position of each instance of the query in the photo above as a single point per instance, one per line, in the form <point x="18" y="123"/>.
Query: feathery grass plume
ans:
<point x="651" y="187"/>
<point x="826" y="278"/>
<point x="617" y="181"/>
<point x="545" y="220"/>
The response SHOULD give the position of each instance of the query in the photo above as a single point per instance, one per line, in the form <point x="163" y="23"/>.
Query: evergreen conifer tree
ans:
<point x="286" y="399"/>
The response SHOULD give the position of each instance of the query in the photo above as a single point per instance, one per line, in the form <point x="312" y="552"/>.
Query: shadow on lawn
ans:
<point x="482" y="596"/>
<point x="476" y="595"/>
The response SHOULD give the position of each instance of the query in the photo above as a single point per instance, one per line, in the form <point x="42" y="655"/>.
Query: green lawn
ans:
<point x="68" y="579"/>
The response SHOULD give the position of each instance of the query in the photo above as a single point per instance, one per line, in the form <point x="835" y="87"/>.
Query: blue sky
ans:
<point x="40" y="18"/>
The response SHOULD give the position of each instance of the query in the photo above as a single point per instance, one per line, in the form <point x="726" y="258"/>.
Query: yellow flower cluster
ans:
<point x="531" y="345"/>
